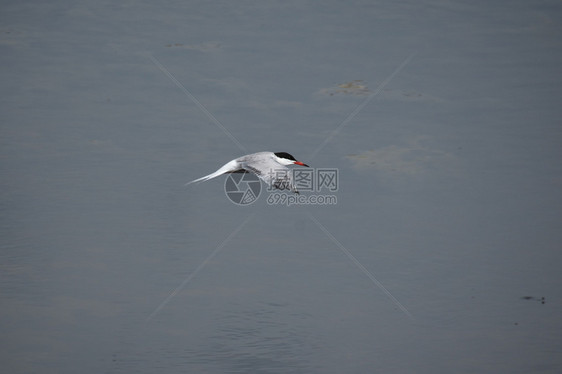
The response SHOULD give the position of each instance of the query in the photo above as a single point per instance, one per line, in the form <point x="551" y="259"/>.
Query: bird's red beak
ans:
<point x="301" y="163"/>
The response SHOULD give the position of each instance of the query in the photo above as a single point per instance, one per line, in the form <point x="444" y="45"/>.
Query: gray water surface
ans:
<point x="442" y="253"/>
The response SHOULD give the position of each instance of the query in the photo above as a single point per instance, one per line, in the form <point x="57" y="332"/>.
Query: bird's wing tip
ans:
<point x="193" y="181"/>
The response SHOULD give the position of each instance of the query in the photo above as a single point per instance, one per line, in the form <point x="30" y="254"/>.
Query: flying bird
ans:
<point x="271" y="167"/>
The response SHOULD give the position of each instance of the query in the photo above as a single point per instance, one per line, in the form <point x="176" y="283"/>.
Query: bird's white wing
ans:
<point x="230" y="167"/>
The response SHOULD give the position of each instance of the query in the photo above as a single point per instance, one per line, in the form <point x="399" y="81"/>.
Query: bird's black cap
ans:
<point x="285" y="155"/>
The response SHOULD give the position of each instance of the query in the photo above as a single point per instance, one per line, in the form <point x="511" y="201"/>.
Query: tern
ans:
<point x="271" y="167"/>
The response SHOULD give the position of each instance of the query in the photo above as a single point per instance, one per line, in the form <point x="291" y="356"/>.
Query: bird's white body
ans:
<point x="268" y="166"/>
